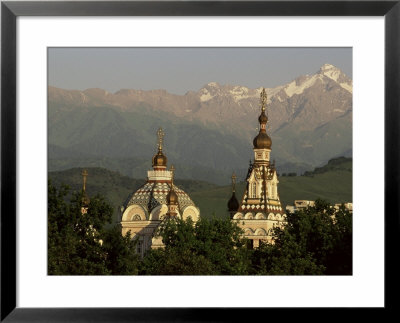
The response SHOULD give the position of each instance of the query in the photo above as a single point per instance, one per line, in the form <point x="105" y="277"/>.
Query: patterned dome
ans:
<point x="151" y="195"/>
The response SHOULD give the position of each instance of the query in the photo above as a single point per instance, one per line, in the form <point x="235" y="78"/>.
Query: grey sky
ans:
<point x="179" y="70"/>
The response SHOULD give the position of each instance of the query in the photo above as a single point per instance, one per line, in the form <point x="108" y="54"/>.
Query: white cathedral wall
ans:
<point x="134" y="211"/>
<point x="159" y="212"/>
<point x="260" y="216"/>
<point x="192" y="212"/>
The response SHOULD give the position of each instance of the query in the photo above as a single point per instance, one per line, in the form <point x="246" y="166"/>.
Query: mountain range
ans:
<point x="208" y="133"/>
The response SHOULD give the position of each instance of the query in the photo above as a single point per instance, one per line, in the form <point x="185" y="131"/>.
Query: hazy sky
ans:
<point x="179" y="70"/>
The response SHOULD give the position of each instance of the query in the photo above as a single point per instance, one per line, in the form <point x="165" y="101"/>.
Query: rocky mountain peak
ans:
<point x="336" y="75"/>
<point x="330" y="71"/>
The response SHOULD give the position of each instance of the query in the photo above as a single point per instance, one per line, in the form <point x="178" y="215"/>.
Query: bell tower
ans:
<point x="85" y="198"/>
<point x="260" y="209"/>
<point x="262" y="142"/>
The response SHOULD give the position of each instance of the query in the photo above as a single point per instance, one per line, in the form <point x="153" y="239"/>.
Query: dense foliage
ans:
<point x="315" y="241"/>
<point x="207" y="247"/>
<point x="79" y="244"/>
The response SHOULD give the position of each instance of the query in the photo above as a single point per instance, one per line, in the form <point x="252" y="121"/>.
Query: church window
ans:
<point x="136" y="217"/>
<point x="254" y="190"/>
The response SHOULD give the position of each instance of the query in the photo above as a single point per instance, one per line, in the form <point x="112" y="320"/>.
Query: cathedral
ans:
<point x="257" y="213"/>
<point x="156" y="200"/>
<point x="260" y="209"/>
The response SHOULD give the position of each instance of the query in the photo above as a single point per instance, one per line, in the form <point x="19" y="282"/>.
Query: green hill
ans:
<point x="332" y="182"/>
<point x="114" y="186"/>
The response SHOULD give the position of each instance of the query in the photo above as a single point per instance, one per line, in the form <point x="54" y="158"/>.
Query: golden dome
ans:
<point x="172" y="197"/>
<point x="159" y="159"/>
<point x="262" y="141"/>
<point x="262" y="118"/>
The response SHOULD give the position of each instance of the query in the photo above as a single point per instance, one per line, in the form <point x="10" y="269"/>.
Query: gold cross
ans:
<point x="263" y="99"/>
<point x="233" y="181"/>
<point x="160" y="134"/>
<point x="84" y="175"/>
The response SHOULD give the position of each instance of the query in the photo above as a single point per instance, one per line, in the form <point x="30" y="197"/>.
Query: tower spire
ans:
<point x="263" y="100"/>
<point x="160" y="135"/>
<point x="85" y="198"/>
<point x="233" y="203"/>
<point x="159" y="159"/>
<point x="84" y="177"/>
<point x="263" y="119"/>
<point x="262" y="140"/>
<point x="233" y="182"/>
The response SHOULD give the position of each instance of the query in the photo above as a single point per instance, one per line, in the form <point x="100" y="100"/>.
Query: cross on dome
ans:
<point x="233" y="181"/>
<point x="160" y="134"/>
<point x="263" y="99"/>
<point x="159" y="159"/>
<point x="262" y="141"/>
<point x="84" y="175"/>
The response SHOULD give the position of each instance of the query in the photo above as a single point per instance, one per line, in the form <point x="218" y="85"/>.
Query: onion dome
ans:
<point x="233" y="203"/>
<point x="263" y="118"/>
<point x="172" y="198"/>
<point x="159" y="159"/>
<point x="262" y="141"/>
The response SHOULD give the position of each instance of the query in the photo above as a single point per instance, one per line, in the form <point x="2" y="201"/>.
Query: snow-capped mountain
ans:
<point x="310" y="118"/>
<point x="311" y="100"/>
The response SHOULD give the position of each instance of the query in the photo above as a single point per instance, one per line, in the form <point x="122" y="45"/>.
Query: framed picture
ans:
<point x="29" y="29"/>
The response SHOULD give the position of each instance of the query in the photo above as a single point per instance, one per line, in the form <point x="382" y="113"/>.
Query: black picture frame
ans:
<point x="10" y="10"/>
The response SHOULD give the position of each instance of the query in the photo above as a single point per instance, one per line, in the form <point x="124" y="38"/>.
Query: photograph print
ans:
<point x="200" y="161"/>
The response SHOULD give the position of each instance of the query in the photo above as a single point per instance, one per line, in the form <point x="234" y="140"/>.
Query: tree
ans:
<point x="79" y="244"/>
<point x="121" y="258"/>
<point x="207" y="247"/>
<point x="315" y="240"/>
